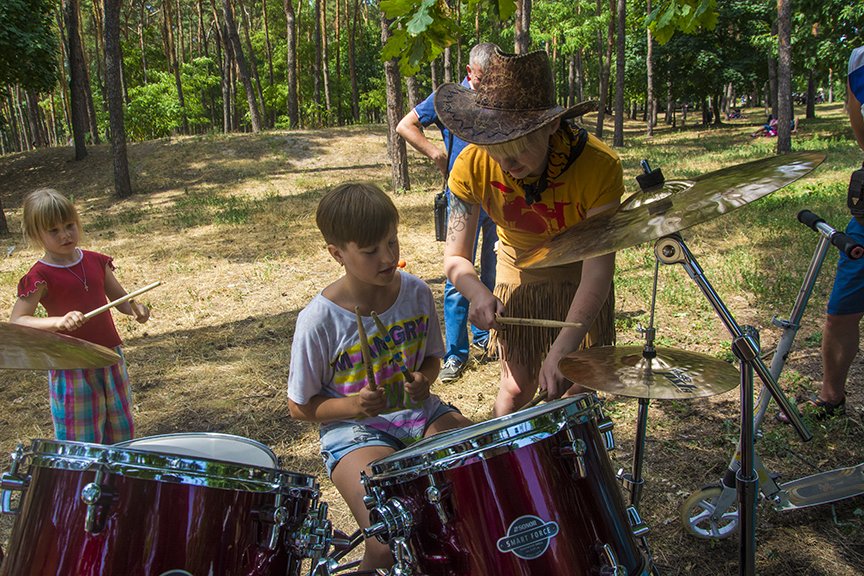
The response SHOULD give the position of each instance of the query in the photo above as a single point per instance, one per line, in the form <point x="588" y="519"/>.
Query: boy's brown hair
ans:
<point x="44" y="209"/>
<point x="358" y="212"/>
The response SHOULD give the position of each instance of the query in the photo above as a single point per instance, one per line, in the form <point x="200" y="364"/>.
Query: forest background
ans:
<point x="83" y="71"/>
<point x="239" y="114"/>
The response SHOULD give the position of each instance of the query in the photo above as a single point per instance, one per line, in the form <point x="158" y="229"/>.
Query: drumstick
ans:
<point x="397" y="358"/>
<point x="365" y="352"/>
<point x="121" y="300"/>
<point x="541" y="396"/>
<point x="536" y="322"/>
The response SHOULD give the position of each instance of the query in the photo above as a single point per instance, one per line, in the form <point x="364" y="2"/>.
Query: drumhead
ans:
<point x="483" y="440"/>
<point x="177" y="458"/>
<point x="211" y="445"/>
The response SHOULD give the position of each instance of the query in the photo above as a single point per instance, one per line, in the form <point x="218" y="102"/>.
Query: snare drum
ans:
<point x="531" y="493"/>
<point x="180" y="504"/>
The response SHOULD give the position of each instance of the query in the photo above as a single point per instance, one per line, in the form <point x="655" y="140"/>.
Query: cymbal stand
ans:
<point x="710" y="512"/>
<point x="634" y="482"/>
<point x="671" y="249"/>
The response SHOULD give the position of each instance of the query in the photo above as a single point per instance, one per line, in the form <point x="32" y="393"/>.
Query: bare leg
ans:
<point x="448" y="421"/>
<point x="346" y="477"/>
<point x="840" y="340"/>
<point x="515" y="389"/>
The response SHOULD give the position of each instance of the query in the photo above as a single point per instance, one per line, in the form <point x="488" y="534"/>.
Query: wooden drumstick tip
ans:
<point x="365" y="353"/>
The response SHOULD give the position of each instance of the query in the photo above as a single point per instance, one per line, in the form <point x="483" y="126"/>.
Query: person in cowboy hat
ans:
<point x="536" y="175"/>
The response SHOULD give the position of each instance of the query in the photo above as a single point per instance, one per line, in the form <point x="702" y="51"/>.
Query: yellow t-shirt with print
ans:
<point x="594" y="179"/>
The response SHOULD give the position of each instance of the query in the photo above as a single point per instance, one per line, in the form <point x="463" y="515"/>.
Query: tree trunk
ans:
<point x="173" y="63"/>
<point x="325" y="66"/>
<point x="202" y="35"/>
<point x="100" y="50"/>
<point x="242" y="70"/>
<point x="605" y="63"/>
<point x="77" y="79"/>
<point x="252" y="64"/>
<point x="522" y="27"/>
<point x="268" y="49"/>
<point x="223" y="55"/>
<point x="618" y="138"/>
<point x="38" y="136"/>
<point x="291" y="64"/>
<point x="352" y="66"/>
<point x="784" y="76"/>
<point x="395" y="143"/>
<point x="650" y="108"/>
<point x="113" y="62"/>
<point x="316" y="63"/>
<point x="181" y="48"/>
<point x="141" y="39"/>
<point x="772" y="86"/>
<point x="338" y="28"/>
<point x="413" y="92"/>
<point x="92" y="119"/>
<point x="27" y="136"/>
<point x="811" y="96"/>
<point x="448" y="69"/>
<point x="64" y="86"/>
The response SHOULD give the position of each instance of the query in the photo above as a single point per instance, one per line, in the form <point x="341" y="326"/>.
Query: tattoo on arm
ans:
<point x="460" y="213"/>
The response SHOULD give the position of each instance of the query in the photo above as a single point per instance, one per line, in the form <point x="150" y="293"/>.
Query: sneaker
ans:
<point x="483" y="353"/>
<point x="451" y="370"/>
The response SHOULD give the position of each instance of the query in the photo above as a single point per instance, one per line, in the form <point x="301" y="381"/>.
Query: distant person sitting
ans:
<point x="455" y="304"/>
<point x="768" y="129"/>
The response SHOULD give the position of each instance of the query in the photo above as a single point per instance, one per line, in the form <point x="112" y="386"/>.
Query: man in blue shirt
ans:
<point x="455" y="305"/>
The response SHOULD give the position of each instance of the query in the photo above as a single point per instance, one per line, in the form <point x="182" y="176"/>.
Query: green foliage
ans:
<point x="28" y="45"/>
<point x="201" y="84"/>
<point x="374" y="101"/>
<point x="153" y="110"/>
<point x="688" y="16"/>
<point x="421" y="29"/>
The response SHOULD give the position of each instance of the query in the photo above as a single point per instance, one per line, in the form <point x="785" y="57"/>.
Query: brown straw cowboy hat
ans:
<point x="515" y="97"/>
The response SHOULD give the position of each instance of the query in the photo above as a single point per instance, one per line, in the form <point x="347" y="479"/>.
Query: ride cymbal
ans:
<point x="25" y="348"/>
<point x="671" y="375"/>
<point x="677" y="205"/>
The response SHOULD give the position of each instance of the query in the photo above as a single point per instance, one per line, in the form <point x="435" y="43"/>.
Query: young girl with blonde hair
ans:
<point x="92" y="404"/>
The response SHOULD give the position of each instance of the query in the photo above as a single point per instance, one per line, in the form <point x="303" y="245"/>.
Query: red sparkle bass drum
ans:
<point x="173" y="505"/>
<point x="528" y="494"/>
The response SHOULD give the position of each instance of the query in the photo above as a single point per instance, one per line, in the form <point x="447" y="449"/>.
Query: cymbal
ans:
<point x="677" y="205"/>
<point x="22" y="347"/>
<point x="671" y="375"/>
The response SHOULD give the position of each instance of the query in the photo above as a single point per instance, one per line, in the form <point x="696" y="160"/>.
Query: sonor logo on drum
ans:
<point x="528" y="537"/>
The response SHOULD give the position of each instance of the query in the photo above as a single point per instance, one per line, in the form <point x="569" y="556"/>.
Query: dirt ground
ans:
<point x="227" y="224"/>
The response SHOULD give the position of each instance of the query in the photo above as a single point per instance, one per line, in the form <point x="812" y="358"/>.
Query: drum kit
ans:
<point x="524" y="494"/>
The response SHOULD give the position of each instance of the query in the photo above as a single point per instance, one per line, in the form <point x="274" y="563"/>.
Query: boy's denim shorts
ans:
<point x="847" y="295"/>
<point x="343" y="437"/>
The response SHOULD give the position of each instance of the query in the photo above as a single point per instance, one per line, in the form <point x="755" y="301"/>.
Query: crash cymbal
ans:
<point x="672" y="374"/>
<point x="22" y="347"/>
<point x="677" y="205"/>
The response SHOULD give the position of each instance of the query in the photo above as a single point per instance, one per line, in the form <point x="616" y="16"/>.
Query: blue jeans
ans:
<point x="456" y="305"/>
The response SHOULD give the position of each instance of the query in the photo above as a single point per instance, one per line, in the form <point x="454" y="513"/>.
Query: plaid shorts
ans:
<point x="92" y="404"/>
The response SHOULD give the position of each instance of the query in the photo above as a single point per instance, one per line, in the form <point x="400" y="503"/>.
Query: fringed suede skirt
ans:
<point x="542" y="293"/>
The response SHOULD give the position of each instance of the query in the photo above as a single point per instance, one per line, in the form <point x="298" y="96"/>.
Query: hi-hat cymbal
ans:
<point x="22" y="347"/>
<point x="672" y="374"/>
<point x="677" y="205"/>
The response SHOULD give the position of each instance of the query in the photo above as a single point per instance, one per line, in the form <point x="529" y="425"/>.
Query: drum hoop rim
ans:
<point x="149" y="465"/>
<point x="394" y="469"/>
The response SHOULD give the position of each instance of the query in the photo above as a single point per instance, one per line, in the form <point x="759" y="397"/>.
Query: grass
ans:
<point x="227" y="223"/>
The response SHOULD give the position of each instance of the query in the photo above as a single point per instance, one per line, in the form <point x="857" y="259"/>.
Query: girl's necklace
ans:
<point x="83" y="272"/>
